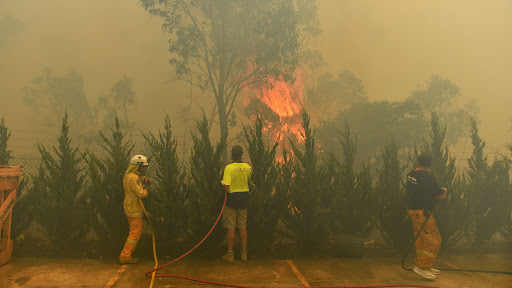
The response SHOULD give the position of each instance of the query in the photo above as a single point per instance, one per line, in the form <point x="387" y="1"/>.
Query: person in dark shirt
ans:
<point x="422" y="191"/>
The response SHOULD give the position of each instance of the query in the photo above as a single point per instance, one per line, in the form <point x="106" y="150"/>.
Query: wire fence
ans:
<point x="29" y="163"/>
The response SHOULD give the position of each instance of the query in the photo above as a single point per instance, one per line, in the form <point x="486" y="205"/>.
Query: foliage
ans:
<point x="310" y="204"/>
<point x="5" y="134"/>
<point x="313" y="197"/>
<point x="9" y="27"/>
<point x="50" y="94"/>
<point x="265" y="202"/>
<point x="204" y="196"/>
<point x="355" y="203"/>
<point x="224" y="46"/>
<point x="336" y="92"/>
<point x="105" y="188"/>
<point x="450" y="212"/>
<point x="120" y="100"/>
<point x="488" y="191"/>
<point x="166" y="199"/>
<point x="393" y="221"/>
<point x="376" y="124"/>
<point x="284" y="186"/>
<point x="379" y="122"/>
<point x="440" y="94"/>
<point x="59" y="203"/>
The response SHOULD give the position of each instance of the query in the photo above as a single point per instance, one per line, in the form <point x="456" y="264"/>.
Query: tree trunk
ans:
<point x="223" y="121"/>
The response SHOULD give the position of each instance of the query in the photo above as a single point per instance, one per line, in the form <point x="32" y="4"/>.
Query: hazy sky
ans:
<point x="394" y="45"/>
<point x="391" y="45"/>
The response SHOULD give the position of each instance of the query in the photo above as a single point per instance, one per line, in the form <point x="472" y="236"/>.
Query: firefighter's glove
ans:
<point x="146" y="181"/>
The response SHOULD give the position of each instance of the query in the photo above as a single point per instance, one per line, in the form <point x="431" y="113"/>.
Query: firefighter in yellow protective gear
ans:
<point x="422" y="190"/>
<point x="134" y="183"/>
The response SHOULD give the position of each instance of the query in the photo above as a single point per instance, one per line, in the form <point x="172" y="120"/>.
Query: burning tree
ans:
<point x="224" y="46"/>
<point x="280" y="104"/>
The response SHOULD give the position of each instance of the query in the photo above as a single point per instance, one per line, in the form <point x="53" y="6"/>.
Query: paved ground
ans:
<point x="51" y="272"/>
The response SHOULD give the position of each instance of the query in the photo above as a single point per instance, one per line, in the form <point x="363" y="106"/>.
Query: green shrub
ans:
<point x="59" y="204"/>
<point x="393" y="222"/>
<point x="166" y="199"/>
<point x="266" y="203"/>
<point x="105" y="188"/>
<point x="355" y="203"/>
<point x="449" y="212"/>
<point x="488" y="192"/>
<point x="308" y="217"/>
<point x="205" y="194"/>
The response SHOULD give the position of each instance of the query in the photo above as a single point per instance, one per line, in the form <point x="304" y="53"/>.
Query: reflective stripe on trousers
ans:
<point x="428" y="242"/>
<point x="133" y="238"/>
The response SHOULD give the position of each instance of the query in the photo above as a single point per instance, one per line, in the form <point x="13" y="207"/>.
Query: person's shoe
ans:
<point x="243" y="256"/>
<point x="229" y="257"/>
<point x="129" y="261"/>
<point x="424" y="273"/>
<point x="435" y="271"/>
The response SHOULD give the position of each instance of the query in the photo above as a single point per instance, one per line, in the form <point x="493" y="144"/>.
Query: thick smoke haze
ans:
<point x="392" y="46"/>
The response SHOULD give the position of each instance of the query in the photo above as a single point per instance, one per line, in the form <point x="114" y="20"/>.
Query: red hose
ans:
<point x="148" y="274"/>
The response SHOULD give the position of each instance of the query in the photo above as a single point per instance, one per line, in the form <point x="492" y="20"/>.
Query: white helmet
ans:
<point x="139" y="160"/>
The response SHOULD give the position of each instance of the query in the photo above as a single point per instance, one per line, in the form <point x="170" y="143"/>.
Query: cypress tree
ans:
<point x="60" y="204"/>
<point x="205" y="193"/>
<point x="488" y="191"/>
<point x="105" y="188"/>
<point x="355" y="202"/>
<point x="265" y="201"/>
<point x="166" y="199"/>
<point x="393" y="221"/>
<point x="308" y="217"/>
<point x="450" y="212"/>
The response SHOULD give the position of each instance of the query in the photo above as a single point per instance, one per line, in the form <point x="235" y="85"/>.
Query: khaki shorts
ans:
<point x="234" y="218"/>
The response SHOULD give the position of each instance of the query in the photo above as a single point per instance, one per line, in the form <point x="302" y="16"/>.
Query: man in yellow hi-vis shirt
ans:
<point x="236" y="182"/>
<point x="133" y="190"/>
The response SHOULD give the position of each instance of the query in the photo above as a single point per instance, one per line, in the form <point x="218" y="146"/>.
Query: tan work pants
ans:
<point x="428" y="242"/>
<point x="133" y="238"/>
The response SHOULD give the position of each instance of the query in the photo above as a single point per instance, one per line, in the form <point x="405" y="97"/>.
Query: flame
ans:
<point x="285" y="100"/>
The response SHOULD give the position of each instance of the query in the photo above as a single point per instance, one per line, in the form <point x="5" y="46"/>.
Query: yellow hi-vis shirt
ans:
<point x="237" y="176"/>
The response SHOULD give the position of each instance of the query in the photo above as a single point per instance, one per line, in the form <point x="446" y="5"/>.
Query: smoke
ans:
<point x="392" y="46"/>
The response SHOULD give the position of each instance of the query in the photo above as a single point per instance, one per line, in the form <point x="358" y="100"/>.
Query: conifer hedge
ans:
<point x="300" y="197"/>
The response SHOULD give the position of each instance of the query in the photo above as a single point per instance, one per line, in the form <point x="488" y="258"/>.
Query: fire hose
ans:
<point x="152" y="273"/>
<point x="459" y="270"/>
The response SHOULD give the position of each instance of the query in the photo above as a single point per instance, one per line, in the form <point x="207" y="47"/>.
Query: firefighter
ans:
<point x="134" y="183"/>
<point x="422" y="190"/>
<point x="236" y="182"/>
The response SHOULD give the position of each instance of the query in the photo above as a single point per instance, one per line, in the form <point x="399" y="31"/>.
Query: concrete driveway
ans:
<point x="299" y="272"/>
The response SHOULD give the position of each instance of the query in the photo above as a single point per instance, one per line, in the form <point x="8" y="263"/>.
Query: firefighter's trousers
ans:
<point x="133" y="238"/>
<point x="428" y="242"/>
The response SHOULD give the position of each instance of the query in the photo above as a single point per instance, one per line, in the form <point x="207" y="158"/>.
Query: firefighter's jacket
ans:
<point x="133" y="190"/>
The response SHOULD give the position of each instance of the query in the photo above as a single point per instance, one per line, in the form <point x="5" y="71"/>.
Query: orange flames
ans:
<point x="284" y="99"/>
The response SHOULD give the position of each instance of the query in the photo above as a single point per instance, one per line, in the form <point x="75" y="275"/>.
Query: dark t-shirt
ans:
<point x="238" y="200"/>
<point x="422" y="190"/>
